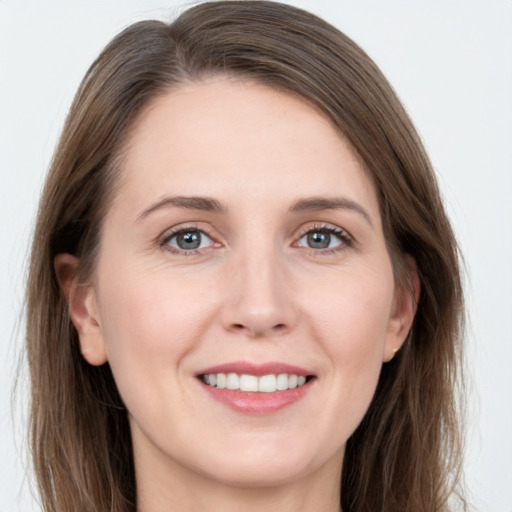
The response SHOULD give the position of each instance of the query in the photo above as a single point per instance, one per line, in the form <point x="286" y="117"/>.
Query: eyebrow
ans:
<point x="205" y="204"/>
<point x="333" y="203"/>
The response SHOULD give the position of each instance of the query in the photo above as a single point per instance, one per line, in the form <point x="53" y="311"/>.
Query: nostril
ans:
<point x="258" y="327"/>
<point x="278" y="328"/>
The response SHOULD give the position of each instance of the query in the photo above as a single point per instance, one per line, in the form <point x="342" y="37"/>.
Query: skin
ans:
<point x="255" y="291"/>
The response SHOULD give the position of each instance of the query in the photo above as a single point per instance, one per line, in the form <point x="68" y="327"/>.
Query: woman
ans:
<point x="244" y="289"/>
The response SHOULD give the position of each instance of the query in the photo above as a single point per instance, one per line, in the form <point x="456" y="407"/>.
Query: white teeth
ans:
<point x="233" y="381"/>
<point x="248" y="383"/>
<point x="267" y="384"/>
<point x="221" y="380"/>
<point x="252" y="383"/>
<point x="282" y="382"/>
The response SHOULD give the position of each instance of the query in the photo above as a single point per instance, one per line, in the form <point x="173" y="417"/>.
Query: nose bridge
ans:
<point x="259" y="303"/>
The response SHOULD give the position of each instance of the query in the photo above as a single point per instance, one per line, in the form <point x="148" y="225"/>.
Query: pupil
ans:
<point x="319" y="240"/>
<point x="189" y="240"/>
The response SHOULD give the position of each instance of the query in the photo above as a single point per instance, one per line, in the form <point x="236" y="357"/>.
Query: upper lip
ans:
<point x="257" y="369"/>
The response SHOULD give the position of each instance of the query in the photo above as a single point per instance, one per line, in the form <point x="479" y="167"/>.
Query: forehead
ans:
<point x="239" y="139"/>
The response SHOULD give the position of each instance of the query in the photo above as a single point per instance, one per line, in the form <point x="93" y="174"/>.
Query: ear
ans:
<point x="405" y="304"/>
<point x="82" y="308"/>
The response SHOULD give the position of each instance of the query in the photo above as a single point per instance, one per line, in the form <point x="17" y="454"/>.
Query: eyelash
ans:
<point x="346" y="240"/>
<point x="169" y="235"/>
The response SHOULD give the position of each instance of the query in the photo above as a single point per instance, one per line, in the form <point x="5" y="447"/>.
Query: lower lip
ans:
<point x="257" y="403"/>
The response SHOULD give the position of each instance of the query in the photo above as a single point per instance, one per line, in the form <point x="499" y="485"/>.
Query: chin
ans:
<point x="272" y="473"/>
<point x="268" y="461"/>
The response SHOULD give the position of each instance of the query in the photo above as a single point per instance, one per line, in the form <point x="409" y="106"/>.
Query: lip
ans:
<point x="254" y="403"/>
<point x="257" y="369"/>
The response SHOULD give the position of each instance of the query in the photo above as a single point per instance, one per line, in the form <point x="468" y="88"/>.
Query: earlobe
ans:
<point x="405" y="304"/>
<point x="82" y="309"/>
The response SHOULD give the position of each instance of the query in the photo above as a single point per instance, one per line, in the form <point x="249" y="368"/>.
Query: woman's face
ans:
<point x="244" y="244"/>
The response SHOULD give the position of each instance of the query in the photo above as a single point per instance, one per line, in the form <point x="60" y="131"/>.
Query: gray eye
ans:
<point x="319" y="239"/>
<point x="189" y="240"/>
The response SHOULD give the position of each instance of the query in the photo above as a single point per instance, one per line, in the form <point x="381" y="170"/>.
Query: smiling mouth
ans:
<point x="257" y="388"/>
<point x="247" y="383"/>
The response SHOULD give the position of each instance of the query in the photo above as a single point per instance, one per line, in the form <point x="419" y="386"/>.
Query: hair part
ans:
<point x="406" y="453"/>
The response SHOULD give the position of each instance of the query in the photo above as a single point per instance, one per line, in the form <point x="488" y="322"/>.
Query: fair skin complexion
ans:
<point x="278" y="258"/>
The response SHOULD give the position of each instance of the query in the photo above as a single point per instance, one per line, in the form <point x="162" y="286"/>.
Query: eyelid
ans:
<point x="323" y="226"/>
<point x="169" y="234"/>
<point x="347" y="240"/>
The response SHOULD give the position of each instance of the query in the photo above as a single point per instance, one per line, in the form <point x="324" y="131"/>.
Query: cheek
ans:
<point x="352" y="313"/>
<point x="149" y="323"/>
<point x="351" y="323"/>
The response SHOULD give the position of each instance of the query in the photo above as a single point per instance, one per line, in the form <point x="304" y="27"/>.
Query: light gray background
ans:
<point x="451" y="63"/>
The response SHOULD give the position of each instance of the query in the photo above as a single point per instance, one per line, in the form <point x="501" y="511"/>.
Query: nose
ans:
<point x="259" y="302"/>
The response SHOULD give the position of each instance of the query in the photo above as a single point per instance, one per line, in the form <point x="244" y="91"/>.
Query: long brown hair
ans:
<point x="405" y="455"/>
